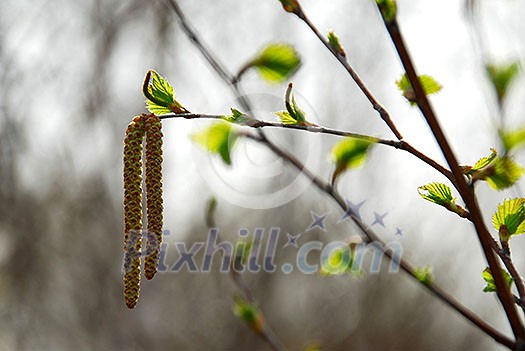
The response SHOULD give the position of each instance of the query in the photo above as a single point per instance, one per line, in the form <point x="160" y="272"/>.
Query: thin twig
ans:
<point x="400" y="144"/>
<point x="502" y="290"/>
<point x="385" y="116"/>
<point x="266" y="332"/>
<point x="372" y="237"/>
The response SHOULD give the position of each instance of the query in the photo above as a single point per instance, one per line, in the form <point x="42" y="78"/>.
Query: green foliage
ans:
<point x="499" y="172"/>
<point x="219" y="139"/>
<point x="340" y="261"/>
<point x="237" y="117"/>
<point x="509" y="219"/>
<point x="441" y="194"/>
<point x="277" y="62"/>
<point x="513" y="139"/>
<point x="248" y="313"/>
<point x="489" y="279"/>
<point x="437" y="193"/>
<point x="242" y="251"/>
<point x="293" y="114"/>
<point x="424" y="275"/>
<point x="501" y="77"/>
<point x="506" y="172"/>
<point x="160" y="95"/>
<point x="334" y="42"/>
<point x="349" y="153"/>
<point x="388" y="10"/>
<point x="430" y="86"/>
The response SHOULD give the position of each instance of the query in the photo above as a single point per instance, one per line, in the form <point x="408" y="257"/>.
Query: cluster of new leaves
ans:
<point x="429" y="84"/>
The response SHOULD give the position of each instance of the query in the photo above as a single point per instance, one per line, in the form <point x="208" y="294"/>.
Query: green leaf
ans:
<point x="501" y="77"/>
<point x="334" y="42"/>
<point x="491" y="285"/>
<point x="511" y="214"/>
<point x="242" y="251"/>
<point x="424" y="275"/>
<point x="437" y="193"/>
<point x="248" y="313"/>
<point x="237" y="117"/>
<point x="285" y="117"/>
<point x="483" y="162"/>
<point x="340" y="261"/>
<point x="430" y="86"/>
<point x="219" y="139"/>
<point x="513" y="139"/>
<point x="160" y="95"/>
<point x="277" y="62"/>
<point x="505" y="173"/>
<point x="388" y="10"/>
<point x="349" y="153"/>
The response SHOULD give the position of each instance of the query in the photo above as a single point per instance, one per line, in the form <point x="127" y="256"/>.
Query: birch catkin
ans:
<point x="153" y="170"/>
<point x="133" y="209"/>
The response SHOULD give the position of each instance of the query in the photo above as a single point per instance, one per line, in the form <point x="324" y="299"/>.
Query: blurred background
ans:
<point x="70" y="79"/>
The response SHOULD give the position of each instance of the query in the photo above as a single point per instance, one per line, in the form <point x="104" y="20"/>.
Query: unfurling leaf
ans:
<point x="424" y="275"/>
<point x="349" y="153"/>
<point x="509" y="219"/>
<point x="501" y="77"/>
<point x="219" y="139"/>
<point x="250" y="314"/>
<point x="388" y="10"/>
<point x="238" y="117"/>
<point x="489" y="279"/>
<point x="499" y="172"/>
<point x="277" y="62"/>
<point x="341" y="260"/>
<point x="441" y="194"/>
<point x="293" y="114"/>
<point x="430" y="86"/>
<point x="159" y="94"/>
<point x="513" y="139"/>
<point x="334" y="42"/>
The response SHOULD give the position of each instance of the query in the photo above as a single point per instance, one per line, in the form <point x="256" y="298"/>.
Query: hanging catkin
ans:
<point x="133" y="209"/>
<point x="153" y="171"/>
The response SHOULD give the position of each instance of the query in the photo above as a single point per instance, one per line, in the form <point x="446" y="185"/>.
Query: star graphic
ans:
<point x="317" y="221"/>
<point x="379" y="219"/>
<point x="352" y="209"/>
<point x="292" y="240"/>
<point x="399" y="232"/>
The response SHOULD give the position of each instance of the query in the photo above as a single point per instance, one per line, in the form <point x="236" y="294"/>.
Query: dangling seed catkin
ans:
<point x="153" y="171"/>
<point x="133" y="209"/>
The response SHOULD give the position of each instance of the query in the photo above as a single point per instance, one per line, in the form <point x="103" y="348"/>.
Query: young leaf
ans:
<point x="249" y="313"/>
<point x="219" y="138"/>
<point x="513" y="139"/>
<point x="491" y="285"/>
<point x="437" y="193"/>
<point x="483" y="162"/>
<point x="277" y="62"/>
<point x="349" y="153"/>
<point x="501" y="77"/>
<point x="159" y="94"/>
<point x="424" y="275"/>
<point x="505" y="173"/>
<point x="293" y="114"/>
<point x="511" y="214"/>
<point x="333" y="40"/>
<point x="388" y="10"/>
<point x="237" y="117"/>
<point x="340" y="261"/>
<point x="430" y="86"/>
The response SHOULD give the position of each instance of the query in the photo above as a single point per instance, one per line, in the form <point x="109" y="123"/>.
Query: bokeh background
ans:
<point x="70" y="78"/>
